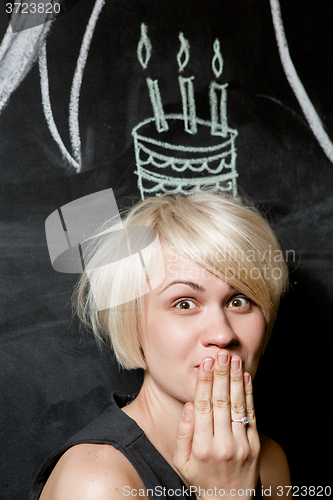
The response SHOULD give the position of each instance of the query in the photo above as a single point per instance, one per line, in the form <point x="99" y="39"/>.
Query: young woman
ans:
<point x="193" y="303"/>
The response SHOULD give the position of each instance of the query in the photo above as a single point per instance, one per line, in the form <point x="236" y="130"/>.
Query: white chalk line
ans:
<point x="187" y="164"/>
<point x="296" y="84"/>
<point x="223" y="182"/>
<point x="167" y="160"/>
<point x="194" y="149"/>
<point x="217" y="61"/>
<point x="287" y="108"/>
<point x="188" y="100"/>
<point x="156" y="101"/>
<point x="18" y="52"/>
<point x="218" y="109"/>
<point x="144" y="43"/>
<point x="183" y="51"/>
<point x="44" y="84"/>
<point x="147" y="174"/>
<point x="74" y="128"/>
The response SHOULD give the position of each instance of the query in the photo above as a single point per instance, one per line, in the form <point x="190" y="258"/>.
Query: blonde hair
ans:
<point x="223" y="235"/>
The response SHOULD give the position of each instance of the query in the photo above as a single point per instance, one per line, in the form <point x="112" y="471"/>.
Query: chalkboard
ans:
<point x="142" y="97"/>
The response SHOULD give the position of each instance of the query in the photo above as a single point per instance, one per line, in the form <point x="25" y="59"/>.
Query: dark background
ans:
<point x="54" y="379"/>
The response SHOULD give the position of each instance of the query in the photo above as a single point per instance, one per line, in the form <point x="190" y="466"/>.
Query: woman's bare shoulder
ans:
<point x="274" y="468"/>
<point x="92" y="472"/>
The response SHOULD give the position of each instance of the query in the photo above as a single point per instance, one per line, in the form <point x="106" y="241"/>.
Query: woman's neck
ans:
<point x="158" y="414"/>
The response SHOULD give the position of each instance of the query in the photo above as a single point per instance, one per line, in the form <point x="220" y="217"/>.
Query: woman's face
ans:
<point x="191" y="316"/>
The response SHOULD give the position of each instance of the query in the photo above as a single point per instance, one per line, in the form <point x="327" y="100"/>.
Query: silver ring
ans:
<point x="243" y="420"/>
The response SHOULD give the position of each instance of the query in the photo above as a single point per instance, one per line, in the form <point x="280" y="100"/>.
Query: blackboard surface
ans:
<point x="54" y="379"/>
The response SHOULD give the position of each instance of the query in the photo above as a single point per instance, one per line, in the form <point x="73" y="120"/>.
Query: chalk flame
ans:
<point x="144" y="47"/>
<point x="183" y="55"/>
<point x="217" y="61"/>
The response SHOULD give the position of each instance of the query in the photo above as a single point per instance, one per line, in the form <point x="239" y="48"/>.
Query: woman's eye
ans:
<point x="185" y="304"/>
<point x="239" y="302"/>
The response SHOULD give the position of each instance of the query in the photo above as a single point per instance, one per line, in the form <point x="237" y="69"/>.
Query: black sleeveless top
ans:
<point x="117" y="429"/>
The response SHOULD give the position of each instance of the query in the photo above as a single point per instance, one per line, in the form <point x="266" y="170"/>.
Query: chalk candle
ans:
<point x="144" y="45"/>
<point x="186" y="87"/>
<point x="218" y="96"/>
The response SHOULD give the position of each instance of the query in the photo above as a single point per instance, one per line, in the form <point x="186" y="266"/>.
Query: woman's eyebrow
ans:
<point x="194" y="286"/>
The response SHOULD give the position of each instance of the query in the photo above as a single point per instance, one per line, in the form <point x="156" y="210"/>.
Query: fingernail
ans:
<point x="235" y="364"/>
<point x="247" y="378"/>
<point x="187" y="414"/>
<point x="222" y="358"/>
<point x="208" y="364"/>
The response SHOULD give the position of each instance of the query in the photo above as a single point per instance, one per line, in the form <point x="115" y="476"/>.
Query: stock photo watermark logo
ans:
<point x="88" y="235"/>
<point x="23" y="15"/>
<point x="77" y="229"/>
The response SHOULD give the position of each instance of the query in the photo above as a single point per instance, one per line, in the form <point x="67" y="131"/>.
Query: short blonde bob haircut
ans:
<point x="230" y="239"/>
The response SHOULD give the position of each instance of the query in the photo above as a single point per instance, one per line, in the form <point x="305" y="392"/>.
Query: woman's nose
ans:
<point x="218" y="332"/>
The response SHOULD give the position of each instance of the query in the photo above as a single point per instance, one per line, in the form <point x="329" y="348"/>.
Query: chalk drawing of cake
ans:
<point x="181" y="152"/>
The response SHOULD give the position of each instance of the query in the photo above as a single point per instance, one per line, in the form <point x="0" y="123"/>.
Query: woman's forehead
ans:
<point x="180" y="268"/>
<point x="178" y="259"/>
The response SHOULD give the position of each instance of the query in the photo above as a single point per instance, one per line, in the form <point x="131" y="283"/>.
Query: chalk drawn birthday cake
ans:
<point x="181" y="152"/>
